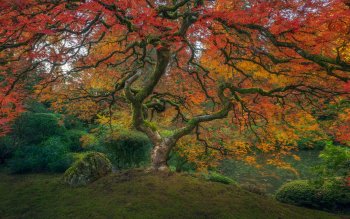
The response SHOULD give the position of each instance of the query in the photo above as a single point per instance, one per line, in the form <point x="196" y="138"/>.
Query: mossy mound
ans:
<point x="139" y="194"/>
<point x="89" y="168"/>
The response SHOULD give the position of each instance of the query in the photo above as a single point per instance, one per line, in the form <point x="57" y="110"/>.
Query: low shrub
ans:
<point x="310" y="144"/>
<point x="335" y="196"/>
<point x="71" y="122"/>
<point x="178" y="163"/>
<point x="128" y="149"/>
<point x="304" y="193"/>
<point x="34" y="128"/>
<point x="6" y="148"/>
<point x="217" y="177"/>
<point x="73" y="139"/>
<point x="298" y="192"/>
<point x="335" y="162"/>
<point x="50" y="156"/>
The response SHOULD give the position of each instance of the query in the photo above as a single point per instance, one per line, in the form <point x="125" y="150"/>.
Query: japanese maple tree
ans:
<point x="258" y="63"/>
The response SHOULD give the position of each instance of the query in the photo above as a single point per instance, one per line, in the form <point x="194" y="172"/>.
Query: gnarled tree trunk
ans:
<point x="163" y="145"/>
<point x="160" y="155"/>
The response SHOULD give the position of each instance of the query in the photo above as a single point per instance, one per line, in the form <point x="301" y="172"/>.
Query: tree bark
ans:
<point x="160" y="155"/>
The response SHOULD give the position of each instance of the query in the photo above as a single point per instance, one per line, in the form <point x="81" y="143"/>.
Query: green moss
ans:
<point x="87" y="169"/>
<point x="151" y="125"/>
<point x="166" y="133"/>
<point x="136" y="194"/>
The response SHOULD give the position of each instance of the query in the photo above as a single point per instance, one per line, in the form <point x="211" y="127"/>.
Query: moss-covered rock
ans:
<point x="89" y="168"/>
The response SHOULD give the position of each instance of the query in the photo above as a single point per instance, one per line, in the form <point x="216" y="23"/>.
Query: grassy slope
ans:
<point x="137" y="194"/>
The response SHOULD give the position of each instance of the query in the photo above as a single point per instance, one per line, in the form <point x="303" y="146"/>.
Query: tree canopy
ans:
<point x="267" y="66"/>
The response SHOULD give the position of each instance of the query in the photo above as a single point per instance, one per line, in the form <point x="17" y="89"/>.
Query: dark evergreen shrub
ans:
<point x="50" y="156"/>
<point x="329" y="196"/>
<point x="128" y="149"/>
<point x="34" y="128"/>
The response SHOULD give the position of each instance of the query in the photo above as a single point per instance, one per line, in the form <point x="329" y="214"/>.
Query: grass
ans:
<point x="137" y="194"/>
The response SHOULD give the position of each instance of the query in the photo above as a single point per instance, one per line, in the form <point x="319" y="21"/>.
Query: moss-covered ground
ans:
<point x="138" y="194"/>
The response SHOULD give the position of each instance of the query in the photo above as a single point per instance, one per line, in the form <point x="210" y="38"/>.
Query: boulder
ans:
<point x="89" y="168"/>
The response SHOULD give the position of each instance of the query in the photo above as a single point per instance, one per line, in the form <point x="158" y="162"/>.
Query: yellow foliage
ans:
<point x="88" y="140"/>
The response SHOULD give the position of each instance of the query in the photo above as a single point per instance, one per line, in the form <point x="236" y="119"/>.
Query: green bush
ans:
<point x="72" y="138"/>
<point x="34" y="128"/>
<point x="37" y="107"/>
<point x="71" y="122"/>
<point x="335" y="196"/>
<point x="335" y="162"/>
<point x="310" y="144"/>
<point x="129" y="149"/>
<point x="50" y="156"/>
<point x="217" y="177"/>
<point x="298" y="192"/>
<point x="6" y="148"/>
<point x="178" y="163"/>
<point x="304" y="193"/>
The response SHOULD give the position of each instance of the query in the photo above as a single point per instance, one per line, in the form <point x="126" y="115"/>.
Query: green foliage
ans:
<point x="329" y="189"/>
<point x="128" y="149"/>
<point x="34" y="128"/>
<point x="51" y="156"/>
<point x="72" y="138"/>
<point x="6" y="148"/>
<point x="217" y="177"/>
<point x="71" y="122"/>
<point x="151" y="125"/>
<point x="335" y="197"/>
<point x="310" y="144"/>
<point x="180" y="164"/>
<point x="335" y="162"/>
<point x="39" y="131"/>
<point x="298" y="192"/>
<point x="36" y="107"/>
<point x="304" y="193"/>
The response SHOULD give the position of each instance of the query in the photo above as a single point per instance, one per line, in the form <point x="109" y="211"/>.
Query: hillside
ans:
<point x="136" y="194"/>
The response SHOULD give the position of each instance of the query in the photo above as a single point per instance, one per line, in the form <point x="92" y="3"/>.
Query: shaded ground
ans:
<point x="136" y="194"/>
<point x="270" y="178"/>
